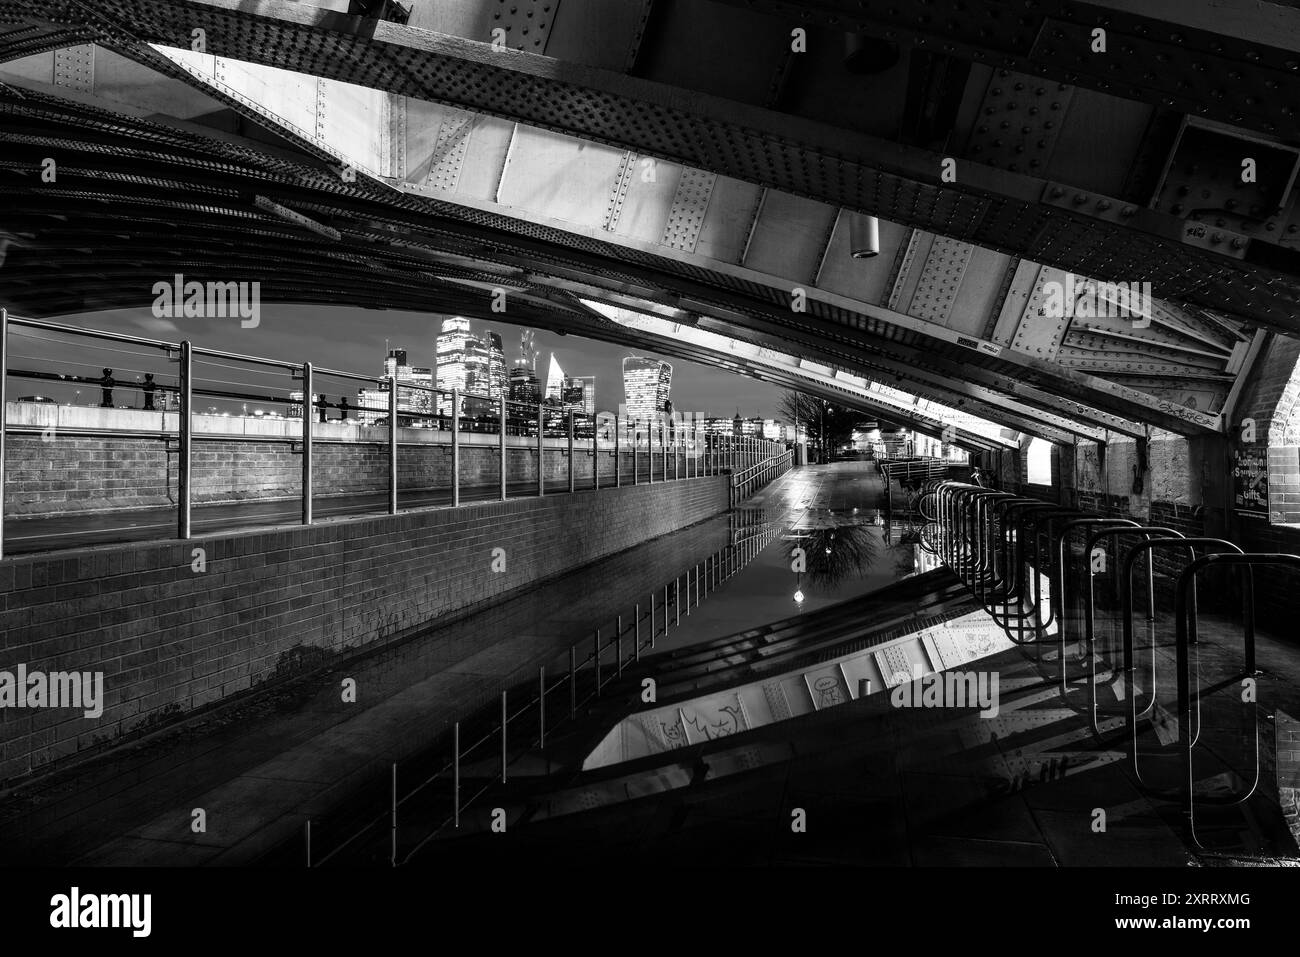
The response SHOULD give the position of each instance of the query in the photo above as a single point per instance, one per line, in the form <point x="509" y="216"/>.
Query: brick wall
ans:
<point x="79" y="474"/>
<point x="270" y="603"/>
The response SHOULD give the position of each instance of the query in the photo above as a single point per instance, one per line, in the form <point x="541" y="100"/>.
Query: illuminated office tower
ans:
<point x="523" y="385"/>
<point x="646" y="384"/>
<point x="372" y="404"/>
<point x="580" y="394"/>
<point x="452" y="342"/>
<point x="496" y="366"/>
<point x="555" y="382"/>
<point x="478" y="365"/>
<point x="523" y="375"/>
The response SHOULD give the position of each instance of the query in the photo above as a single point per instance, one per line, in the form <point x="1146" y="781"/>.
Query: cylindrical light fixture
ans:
<point x="864" y="236"/>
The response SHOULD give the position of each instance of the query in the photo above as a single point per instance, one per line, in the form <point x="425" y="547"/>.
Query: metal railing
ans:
<point x="751" y="479"/>
<point x="532" y="704"/>
<point x="1008" y="548"/>
<point x="539" y="431"/>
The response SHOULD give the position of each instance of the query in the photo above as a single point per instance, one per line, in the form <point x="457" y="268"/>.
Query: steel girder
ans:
<point x="1221" y="60"/>
<point x="101" y="135"/>
<point x="1093" y="235"/>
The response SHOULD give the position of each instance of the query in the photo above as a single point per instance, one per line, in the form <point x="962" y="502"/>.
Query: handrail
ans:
<point x="703" y="452"/>
<point x="1059" y="591"/>
<point x="1172" y="540"/>
<point x="992" y="541"/>
<point x="661" y="617"/>
<point x="1185" y="630"/>
<point x="742" y="483"/>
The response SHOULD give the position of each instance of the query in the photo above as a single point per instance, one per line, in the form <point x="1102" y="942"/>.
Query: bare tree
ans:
<point x="827" y="424"/>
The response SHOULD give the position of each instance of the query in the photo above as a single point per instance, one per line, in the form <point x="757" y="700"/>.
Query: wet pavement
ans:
<point x="834" y="514"/>
<point x="261" y="766"/>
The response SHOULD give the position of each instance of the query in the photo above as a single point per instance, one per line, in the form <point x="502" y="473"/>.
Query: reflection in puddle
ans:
<point x="832" y="552"/>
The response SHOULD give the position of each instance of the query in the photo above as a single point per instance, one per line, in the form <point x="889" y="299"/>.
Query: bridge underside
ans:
<point x="689" y="178"/>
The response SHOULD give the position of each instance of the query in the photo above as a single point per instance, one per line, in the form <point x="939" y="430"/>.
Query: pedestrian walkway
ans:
<point x="263" y="765"/>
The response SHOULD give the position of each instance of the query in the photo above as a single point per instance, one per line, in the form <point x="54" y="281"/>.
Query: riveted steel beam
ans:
<point x="672" y="272"/>
<point x="1173" y="54"/>
<point x="995" y="208"/>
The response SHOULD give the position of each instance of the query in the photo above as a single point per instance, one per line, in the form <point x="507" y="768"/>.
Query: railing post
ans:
<point x="677" y="601"/>
<point x="541" y="450"/>
<point x="596" y="656"/>
<point x="663" y="447"/>
<point x="185" y="432"/>
<point x="636" y="633"/>
<point x="4" y="417"/>
<point x="392" y="445"/>
<point x="541" y="706"/>
<point x="595" y="453"/>
<point x="572" y="464"/>
<point x="308" y="413"/>
<point x="652" y="618"/>
<point x="618" y="645"/>
<point x="501" y="418"/>
<point x="573" y="681"/>
<point x="455" y="773"/>
<point x="618" y="456"/>
<point x="455" y="446"/>
<point x="505" y="721"/>
<point x="665" y="611"/>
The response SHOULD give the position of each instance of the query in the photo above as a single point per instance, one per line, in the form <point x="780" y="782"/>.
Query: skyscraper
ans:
<point x="372" y="404"/>
<point x="478" y="365"/>
<point x="523" y="385"/>
<point x="452" y="371"/>
<point x="646" y="385"/>
<point x="555" y="381"/>
<point x="523" y="375"/>
<point x="580" y="393"/>
<point x="496" y="367"/>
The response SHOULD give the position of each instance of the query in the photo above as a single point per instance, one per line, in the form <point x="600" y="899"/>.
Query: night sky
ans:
<point x="351" y="340"/>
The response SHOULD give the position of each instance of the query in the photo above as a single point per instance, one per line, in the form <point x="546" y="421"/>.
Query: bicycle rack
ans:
<point x="1090" y="618"/>
<point x="1008" y="548"/>
<point x="1171" y="540"/>
<point x="1062" y="564"/>
<point x="1190" y="697"/>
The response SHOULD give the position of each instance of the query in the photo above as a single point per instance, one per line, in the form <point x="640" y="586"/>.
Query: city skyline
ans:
<point x="347" y="338"/>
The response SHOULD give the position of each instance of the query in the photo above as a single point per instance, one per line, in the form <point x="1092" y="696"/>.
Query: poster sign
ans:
<point x="1250" y="481"/>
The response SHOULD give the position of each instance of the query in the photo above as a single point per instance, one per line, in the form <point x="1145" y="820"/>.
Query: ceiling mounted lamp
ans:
<point x="866" y="55"/>
<point x="864" y="236"/>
